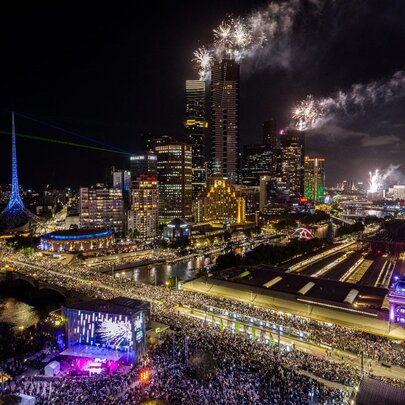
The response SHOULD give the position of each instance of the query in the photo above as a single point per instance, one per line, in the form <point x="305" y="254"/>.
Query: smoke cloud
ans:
<point x="317" y="112"/>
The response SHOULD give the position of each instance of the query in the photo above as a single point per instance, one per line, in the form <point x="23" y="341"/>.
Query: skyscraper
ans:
<point x="314" y="186"/>
<point x="256" y="162"/>
<point x="143" y="164"/>
<point x="174" y="169"/>
<point x="143" y="216"/>
<point x="196" y="125"/>
<point x="271" y="140"/>
<point x="117" y="178"/>
<point x="102" y="207"/>
<point x="150" y="141"/>
<point x="225" y="120"/>
<point x="270" y="136"/>
<point x="292" y="148"/>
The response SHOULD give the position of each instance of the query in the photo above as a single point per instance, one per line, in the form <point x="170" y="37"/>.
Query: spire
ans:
<point x="15" y="201"/>
<point x="15" y="215"/>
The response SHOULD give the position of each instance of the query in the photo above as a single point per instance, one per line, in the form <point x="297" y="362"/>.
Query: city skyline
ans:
<point x="207" y="203"/>
<point x="374" y="139"/>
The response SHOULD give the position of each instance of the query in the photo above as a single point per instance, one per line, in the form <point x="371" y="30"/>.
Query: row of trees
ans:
<point x="270" y="254"/>
<point x="348" y="229"/>
<point x="292" y="220"/>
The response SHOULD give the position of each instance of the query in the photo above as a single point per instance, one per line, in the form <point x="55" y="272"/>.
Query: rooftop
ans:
<point x="118" y="306"/>
<point x="72" y="234"/>
<point x="276" y="279"/>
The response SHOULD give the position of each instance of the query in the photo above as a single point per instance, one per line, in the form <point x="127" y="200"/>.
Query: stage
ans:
<point x="93" y="352"/>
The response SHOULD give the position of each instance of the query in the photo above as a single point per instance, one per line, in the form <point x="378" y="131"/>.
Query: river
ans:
<point x="159" y="273"/>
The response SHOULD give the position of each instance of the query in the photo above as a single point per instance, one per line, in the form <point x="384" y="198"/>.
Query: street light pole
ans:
<point x="278" y="337"/>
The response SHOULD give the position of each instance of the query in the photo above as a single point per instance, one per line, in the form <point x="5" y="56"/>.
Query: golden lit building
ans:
<point x="221" y="202"/>
<point x="143" y="216"/>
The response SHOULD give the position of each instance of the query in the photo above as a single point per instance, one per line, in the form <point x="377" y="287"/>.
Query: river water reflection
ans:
<point x="17" y="314"/>
<point x="159" y="273"/>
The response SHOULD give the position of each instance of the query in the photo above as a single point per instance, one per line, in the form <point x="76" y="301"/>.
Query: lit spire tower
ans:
<point x="15" y="215"/>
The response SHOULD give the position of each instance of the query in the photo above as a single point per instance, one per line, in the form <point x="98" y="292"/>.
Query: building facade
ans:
<point x="143" y="215"/>
<point x="196" y="126"/>
<point x="270" y="136"/>
<point x="102" y="207"/>
<point x="268" y="191"/>
<point x="225" y="120"/>
<point x="256" y="162"/>
<point x="77" y="240"/>
<point x="143" y="164"/>
<point x="117" y="178"/>
<point x="292" y="151"/>
<point x="220" y="203"/>
<point x="174" y="173"/>
<point x="314" y="183"/>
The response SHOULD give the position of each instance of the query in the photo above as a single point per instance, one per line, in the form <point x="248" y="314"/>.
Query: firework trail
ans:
<point x="313" y="113"/>
<point x="378" y="180"/>
<point x="242" y="38"/>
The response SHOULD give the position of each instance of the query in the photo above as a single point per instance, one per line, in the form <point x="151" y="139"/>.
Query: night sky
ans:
<point x="112" y="73"/>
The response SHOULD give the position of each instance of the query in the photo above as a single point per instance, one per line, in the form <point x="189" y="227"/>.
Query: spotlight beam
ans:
<point x="67" y="131"/>
<point x="58" y="141"/>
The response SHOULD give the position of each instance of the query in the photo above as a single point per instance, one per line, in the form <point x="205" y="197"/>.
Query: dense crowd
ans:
<point x="372" y="346"/>
<point x="244" y="366"/>
<point x="246" y="372"/>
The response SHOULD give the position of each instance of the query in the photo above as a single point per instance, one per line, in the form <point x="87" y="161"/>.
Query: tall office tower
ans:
<point x="102" y="207"/>
<point x="314" y="184"/>
<point x="256" y="162"/>
<point x="268" y="191"/>
<point x="143" y="164"/>
<point x="143" y="216"/>
<point x="174" y="169"/>
<point x="150" y="141"/>
<point x="117" y="178"/>
<point x="292" y="147"/>
<point x="271" y="140"/>
<point x="196" y="125"/>
<point x="270" y="136"/>
<point x="225" y="120"/>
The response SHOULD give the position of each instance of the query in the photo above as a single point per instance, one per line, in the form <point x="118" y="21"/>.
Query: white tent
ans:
<point x="26" y="399"/>
<point x="52" y="368"/>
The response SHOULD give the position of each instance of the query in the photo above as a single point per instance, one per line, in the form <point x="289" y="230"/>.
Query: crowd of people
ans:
<point x="244" y="366"/>
<point x="371" y="346"/>
<point x="246" y="372"/>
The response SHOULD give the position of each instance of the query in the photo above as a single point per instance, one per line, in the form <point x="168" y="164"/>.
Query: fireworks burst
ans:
<point x="374" y="182"/>
<point x="379" y="180"/>
<point x="115" y="333"/>
<point x="242" y="38"/>
<point x="241" y="34"/>
<point x="307" y="113"/>
<point x="203" y="60"/>
<point x="223" y="34"/>
<point x="312" y="113"/>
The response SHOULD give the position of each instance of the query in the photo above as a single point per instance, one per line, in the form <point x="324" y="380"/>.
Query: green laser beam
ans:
<point x="77" y="145"/>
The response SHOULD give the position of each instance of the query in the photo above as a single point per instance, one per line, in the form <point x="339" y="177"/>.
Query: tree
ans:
<point x="133" y="234"/>
<point x="227" y="236"/>
<point x="203" y="365"/>
<point x="228" y="260"/>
